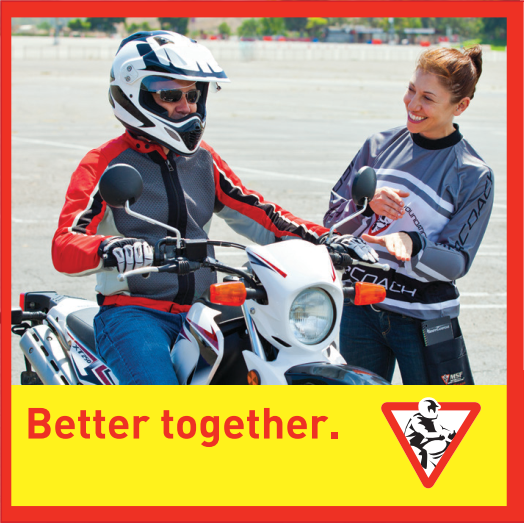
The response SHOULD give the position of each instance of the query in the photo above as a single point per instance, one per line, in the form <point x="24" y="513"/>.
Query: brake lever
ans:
<point x="142" y="270"/>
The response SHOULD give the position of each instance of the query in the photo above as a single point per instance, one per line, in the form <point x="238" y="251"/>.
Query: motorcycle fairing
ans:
<point x="256" y="259"/>
<point x="285" y="269"/>
<point x="199" y="347"/>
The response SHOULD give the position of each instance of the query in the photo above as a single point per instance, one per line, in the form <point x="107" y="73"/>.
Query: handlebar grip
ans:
<point x="258" y="293"/>
<point x="109" y="261"/>
<point x="341" y="260"/>
<point x="181" y="266"/>
<point x="18" y="316"/>
<point x="349" y="293"/>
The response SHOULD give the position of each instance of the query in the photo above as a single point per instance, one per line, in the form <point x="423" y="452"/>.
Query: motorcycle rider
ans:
<point x="158" y="89"/>
<point x="428" y="438"/>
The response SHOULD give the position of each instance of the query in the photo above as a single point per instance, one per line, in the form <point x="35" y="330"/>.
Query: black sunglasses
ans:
<point x="175" y="95"/>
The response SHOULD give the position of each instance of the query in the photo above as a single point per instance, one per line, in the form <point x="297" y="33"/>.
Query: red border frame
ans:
<point x="513" y="10"/>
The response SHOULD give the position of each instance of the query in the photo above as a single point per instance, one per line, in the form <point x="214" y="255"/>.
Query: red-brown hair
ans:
<point x="459" y="71"/>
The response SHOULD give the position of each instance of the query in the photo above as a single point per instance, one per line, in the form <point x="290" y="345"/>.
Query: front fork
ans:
<point x="253" y="334"/>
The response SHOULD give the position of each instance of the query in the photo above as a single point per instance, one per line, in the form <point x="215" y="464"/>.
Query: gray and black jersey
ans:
<point x="446" y="214"/>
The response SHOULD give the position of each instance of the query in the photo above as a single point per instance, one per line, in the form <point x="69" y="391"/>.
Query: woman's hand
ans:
<point x="399" y="244"/>
<point x="388" y="202"/>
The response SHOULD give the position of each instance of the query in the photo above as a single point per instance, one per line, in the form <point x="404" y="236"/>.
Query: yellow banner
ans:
<point x="261" y="446"/>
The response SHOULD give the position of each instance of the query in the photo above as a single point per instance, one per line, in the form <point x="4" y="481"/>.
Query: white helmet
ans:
<point x="155" y="56"/>
<point x="428" y="408"/>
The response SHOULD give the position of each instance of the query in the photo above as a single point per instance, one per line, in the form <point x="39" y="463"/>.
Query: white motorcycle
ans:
<point x="274" y="321"/>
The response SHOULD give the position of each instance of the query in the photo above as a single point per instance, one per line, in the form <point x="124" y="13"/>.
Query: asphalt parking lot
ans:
<point x="287" y="127"/>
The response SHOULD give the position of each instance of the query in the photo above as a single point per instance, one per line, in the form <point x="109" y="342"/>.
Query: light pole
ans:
<point x="391" y="30"/>
<point x="55" y="41"/>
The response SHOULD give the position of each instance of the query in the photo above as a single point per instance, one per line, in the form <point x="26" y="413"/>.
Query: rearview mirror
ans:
<point x="119" y="184"/>
<point x="364" y="186"/>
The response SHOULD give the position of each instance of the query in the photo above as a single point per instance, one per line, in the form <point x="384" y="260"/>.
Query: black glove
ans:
<point x="357" y="248"/>
<point x="125" y="253"/>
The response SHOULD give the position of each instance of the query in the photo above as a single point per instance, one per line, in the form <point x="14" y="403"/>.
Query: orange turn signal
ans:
<point x="368" y="293"/>
<point x="230" y="293"/>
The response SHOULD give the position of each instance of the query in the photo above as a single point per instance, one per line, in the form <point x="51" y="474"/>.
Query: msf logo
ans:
<point x="451" y="379"/>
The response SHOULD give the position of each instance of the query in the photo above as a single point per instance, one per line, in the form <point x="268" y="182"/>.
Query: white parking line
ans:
<point x="283" y="175"/>
<point x="46" y="142"/>
<point x="481" y="294"/>
<point x="484" y="306"/>
<point x="19" y="220"/>
<point x="236" y="169"/>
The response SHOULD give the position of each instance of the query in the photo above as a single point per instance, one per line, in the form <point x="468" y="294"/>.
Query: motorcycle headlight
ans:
<point x="312" y="316"/>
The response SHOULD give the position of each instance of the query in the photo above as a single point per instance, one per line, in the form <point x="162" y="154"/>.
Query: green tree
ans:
<point x="271" y="26"/>
<point x="399" y="24"/>
<point x="79" y="25"/>
<point x="466" y="28"/>
<point x="179" y="25"/>
<point x="107" y="25"/>
<point x="315" y="27"/>
<point x="296" y="24"/>
<point x="44" y="26"/>
<point x="338" y="22"/>
<point x="248" y="28"/>
<point x="224" y="30"/>
<point x="132" y="28"/>
<point x="494" y="31"/>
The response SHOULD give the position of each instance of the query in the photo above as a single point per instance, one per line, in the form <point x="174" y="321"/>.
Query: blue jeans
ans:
<point x="376" y="340"/>
<point x="135" y="343"/>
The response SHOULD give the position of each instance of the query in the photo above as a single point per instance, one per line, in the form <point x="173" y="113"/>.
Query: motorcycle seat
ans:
<point x="80" y="323"/>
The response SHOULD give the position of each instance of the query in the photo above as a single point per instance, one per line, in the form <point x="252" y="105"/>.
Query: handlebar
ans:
<point x="341" y="261"/>
<point x="183" y="266"/>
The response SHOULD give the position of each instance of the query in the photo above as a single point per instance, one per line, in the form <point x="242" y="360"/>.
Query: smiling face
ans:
<point x="429" y="108"/>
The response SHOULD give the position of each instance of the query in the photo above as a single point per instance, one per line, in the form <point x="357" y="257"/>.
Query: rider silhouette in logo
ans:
<point x="428" y="438"/>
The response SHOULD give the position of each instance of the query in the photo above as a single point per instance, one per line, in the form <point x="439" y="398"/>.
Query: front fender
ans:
<point x="328" y="374"/>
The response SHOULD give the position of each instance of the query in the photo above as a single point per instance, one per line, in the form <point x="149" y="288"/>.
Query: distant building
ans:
<point x="355" y="34"/>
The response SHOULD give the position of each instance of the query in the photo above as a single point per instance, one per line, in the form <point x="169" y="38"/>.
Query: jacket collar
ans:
<point x="143" y="145"/>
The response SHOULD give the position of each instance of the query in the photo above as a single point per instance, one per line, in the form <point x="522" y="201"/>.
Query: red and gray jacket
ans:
<point x="183" y="192"/>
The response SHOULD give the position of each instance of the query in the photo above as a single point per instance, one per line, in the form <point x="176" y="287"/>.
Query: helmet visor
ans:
<point x="171" y="90"/>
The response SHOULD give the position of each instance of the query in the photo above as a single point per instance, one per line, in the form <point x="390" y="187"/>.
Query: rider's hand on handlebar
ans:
<point x="357" y="248"/>
<point x="126" y="253"/>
